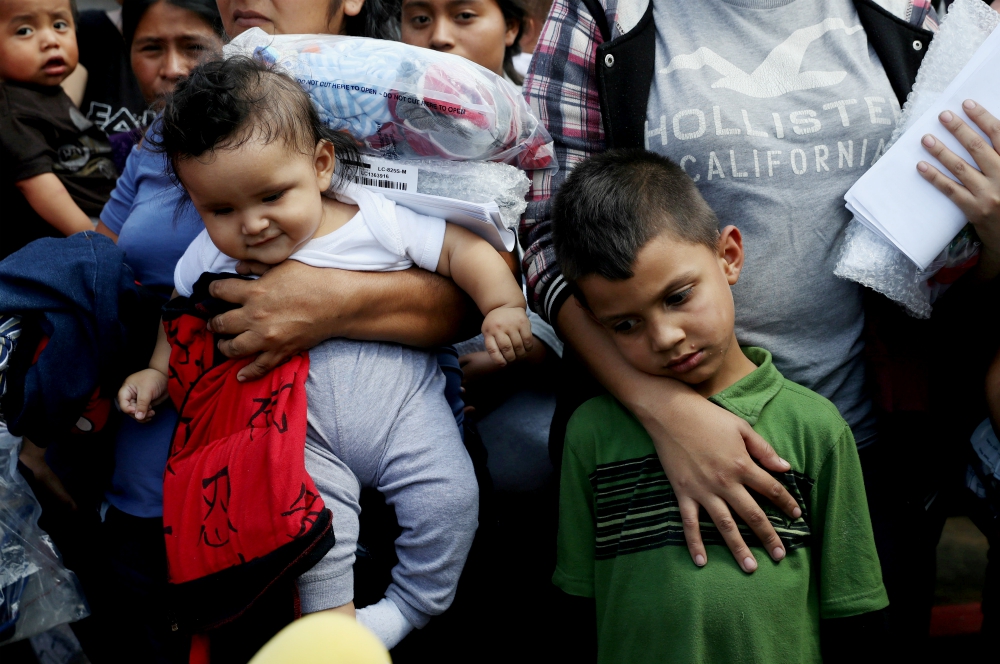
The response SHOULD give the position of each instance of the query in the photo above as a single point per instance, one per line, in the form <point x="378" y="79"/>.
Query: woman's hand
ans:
<point x="707" y="452"/>
<point x="977" y="193"/>
<point x="708" y="455"/>
<point x="293" y="307"/>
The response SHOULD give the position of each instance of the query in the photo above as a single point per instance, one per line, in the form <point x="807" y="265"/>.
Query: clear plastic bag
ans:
<point x="406" y="102"/>
<point x="872" y="261"/>
<point x="37" y="592"/>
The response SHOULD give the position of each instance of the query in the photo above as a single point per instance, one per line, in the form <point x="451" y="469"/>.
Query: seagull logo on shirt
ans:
<point x="778" y="74"/>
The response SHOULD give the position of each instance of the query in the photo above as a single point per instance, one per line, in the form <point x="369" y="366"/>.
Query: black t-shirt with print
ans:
<point x="41" y="131"/>
<point x="112" y="100"/>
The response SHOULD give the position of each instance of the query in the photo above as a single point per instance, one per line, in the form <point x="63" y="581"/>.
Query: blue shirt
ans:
<point x="154" y="232"/>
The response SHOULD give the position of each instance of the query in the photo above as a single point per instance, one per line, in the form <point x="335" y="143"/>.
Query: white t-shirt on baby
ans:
<point x="381" y="237"/>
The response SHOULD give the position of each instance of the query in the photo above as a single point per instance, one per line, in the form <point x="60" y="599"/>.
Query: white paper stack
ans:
<point x="894" y="200"/>
<point x="483" y="219"/>
<point x="398" y="183"/>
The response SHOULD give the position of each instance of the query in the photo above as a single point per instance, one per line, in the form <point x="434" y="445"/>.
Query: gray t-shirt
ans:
<point x="775" y="108"/>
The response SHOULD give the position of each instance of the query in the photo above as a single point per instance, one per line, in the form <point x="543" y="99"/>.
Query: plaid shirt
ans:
<point x="561" y="88"/>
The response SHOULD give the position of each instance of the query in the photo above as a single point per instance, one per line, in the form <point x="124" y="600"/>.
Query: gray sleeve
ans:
<point x="330" y="583"/>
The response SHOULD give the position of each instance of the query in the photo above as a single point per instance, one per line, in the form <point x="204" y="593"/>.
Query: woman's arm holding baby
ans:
<point x="293" y="307"/>
<point x="480" y="271"/>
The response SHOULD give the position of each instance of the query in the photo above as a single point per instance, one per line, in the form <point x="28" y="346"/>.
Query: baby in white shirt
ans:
<point x="248" y="147"/>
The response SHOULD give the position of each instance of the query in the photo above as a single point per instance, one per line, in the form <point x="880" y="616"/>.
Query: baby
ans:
<point x="248" y="146"/>
<point x="55" y="171"/>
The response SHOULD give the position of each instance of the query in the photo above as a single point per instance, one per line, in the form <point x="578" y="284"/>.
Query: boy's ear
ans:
<point x="325" y="162"/>
<point x="730" y="252"/>
<point x="513" y="27"/>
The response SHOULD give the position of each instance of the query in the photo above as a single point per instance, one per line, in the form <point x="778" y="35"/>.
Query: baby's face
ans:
<point x="38" y="41"/>
<point x="675" y="316"/>
<point x="260" y="202"/>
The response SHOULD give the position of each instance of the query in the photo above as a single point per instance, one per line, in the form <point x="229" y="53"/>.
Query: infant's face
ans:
<point x="260" y="202"/>
<point x="38" y="41"/>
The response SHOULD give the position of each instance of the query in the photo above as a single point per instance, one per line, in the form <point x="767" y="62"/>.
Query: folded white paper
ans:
<point x="894" y="200"/>
<point x="483" y="219"/>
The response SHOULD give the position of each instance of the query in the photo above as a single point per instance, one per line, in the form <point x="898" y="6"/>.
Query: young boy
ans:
<point x="645" y="255"/>
<point x="55" y="166"/>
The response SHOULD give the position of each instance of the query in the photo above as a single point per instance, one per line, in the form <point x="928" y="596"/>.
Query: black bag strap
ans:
<point x="597" y="13"/>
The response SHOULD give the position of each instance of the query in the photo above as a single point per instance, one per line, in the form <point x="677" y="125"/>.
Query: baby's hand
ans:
<point x="140" y="391"/>
<point x="507" y="332"/>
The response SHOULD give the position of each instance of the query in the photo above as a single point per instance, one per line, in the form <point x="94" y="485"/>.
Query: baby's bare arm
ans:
<point x="147" y="388"/>
<point x="478" y="269"/>
<point x="482" y="273"/>
<point x="48" y="197"/>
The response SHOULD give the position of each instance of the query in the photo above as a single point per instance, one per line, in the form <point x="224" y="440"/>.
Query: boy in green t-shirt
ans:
<point x="645" y="256"/>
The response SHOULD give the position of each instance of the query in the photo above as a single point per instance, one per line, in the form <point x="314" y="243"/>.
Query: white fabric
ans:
<point x="386" y="621"/>
<point x="382" y="237"/>
<point x="521" y="63"/>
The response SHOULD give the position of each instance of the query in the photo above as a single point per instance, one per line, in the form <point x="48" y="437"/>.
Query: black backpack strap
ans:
<point x="900" y="46"/>
<point x="625" y="68"/>
<point x="597" y="13"/>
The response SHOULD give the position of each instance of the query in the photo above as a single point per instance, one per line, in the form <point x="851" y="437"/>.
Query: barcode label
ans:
<point x="382" y="184"/>
<point x="384" y="174"/>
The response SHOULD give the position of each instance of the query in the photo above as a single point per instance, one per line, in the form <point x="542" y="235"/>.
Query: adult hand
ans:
<point x="708" y="455"/>
<point x="977" y="193"/>
<point x="294" y="306"/>
<point x="707" y="452"/>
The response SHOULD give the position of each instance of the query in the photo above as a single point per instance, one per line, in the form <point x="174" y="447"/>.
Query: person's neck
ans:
<point x="735" y="367"/>
<point x="336" y="214"/>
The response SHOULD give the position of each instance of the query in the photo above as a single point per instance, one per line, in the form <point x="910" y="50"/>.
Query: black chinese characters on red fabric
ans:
<point x="241" y="515"/>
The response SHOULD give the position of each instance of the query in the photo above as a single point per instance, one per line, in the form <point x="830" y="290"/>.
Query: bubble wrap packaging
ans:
<point x="406" y="102"/>
<point x="476" y="182"/>
<point x="872" y="261"/>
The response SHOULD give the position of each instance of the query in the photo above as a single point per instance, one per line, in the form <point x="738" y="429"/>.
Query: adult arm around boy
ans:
<point x="705" y="450"/>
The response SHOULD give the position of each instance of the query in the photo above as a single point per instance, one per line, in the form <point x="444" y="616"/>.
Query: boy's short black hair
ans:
<point x="223" y="104"/>
<point x="612" y="204"/>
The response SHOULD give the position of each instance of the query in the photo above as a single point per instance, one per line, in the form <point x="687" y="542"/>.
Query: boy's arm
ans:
<point x="843" y="544"/>
<point x="48" y="197"/>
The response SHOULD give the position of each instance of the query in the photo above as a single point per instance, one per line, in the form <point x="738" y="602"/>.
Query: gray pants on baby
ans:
<point x="378" y="418"/>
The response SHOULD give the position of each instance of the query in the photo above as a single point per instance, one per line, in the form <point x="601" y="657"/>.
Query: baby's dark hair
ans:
<point x="612" y="204"/>
<point x="223" y="104"/>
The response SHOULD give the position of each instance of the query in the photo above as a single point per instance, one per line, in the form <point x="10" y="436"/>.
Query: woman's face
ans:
<point x="473" y="29"/>
<point x="287" y="17"/>
<point x="169" y="42"/>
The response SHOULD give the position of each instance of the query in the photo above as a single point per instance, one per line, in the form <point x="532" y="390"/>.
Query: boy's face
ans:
<point x="287" y="17"/>
<point x="675" y="316"/>
<point x="38" y="41"/>
<point x="260" y="202"/>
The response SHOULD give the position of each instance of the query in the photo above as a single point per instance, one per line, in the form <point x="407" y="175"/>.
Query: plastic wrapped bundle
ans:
<point x="406" y="102"/>
<point x="476" y="182"/>
<point x="867" y="258"/>
<point x="37" y="592"/>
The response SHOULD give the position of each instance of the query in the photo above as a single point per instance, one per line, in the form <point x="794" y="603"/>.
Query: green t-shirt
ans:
<point x="621" y="540"/>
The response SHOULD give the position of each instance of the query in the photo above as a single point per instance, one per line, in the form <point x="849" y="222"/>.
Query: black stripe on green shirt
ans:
<point x="636" y="510"/>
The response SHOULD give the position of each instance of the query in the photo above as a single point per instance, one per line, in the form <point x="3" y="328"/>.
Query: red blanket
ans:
<point x="240" y="512"/>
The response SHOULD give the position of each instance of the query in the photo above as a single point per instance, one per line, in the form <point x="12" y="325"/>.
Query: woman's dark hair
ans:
<point x="223" y="104"/>
<point x="134" y="10"/>
<point x="378" y="19"/>
<point x="513" y="10"/>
